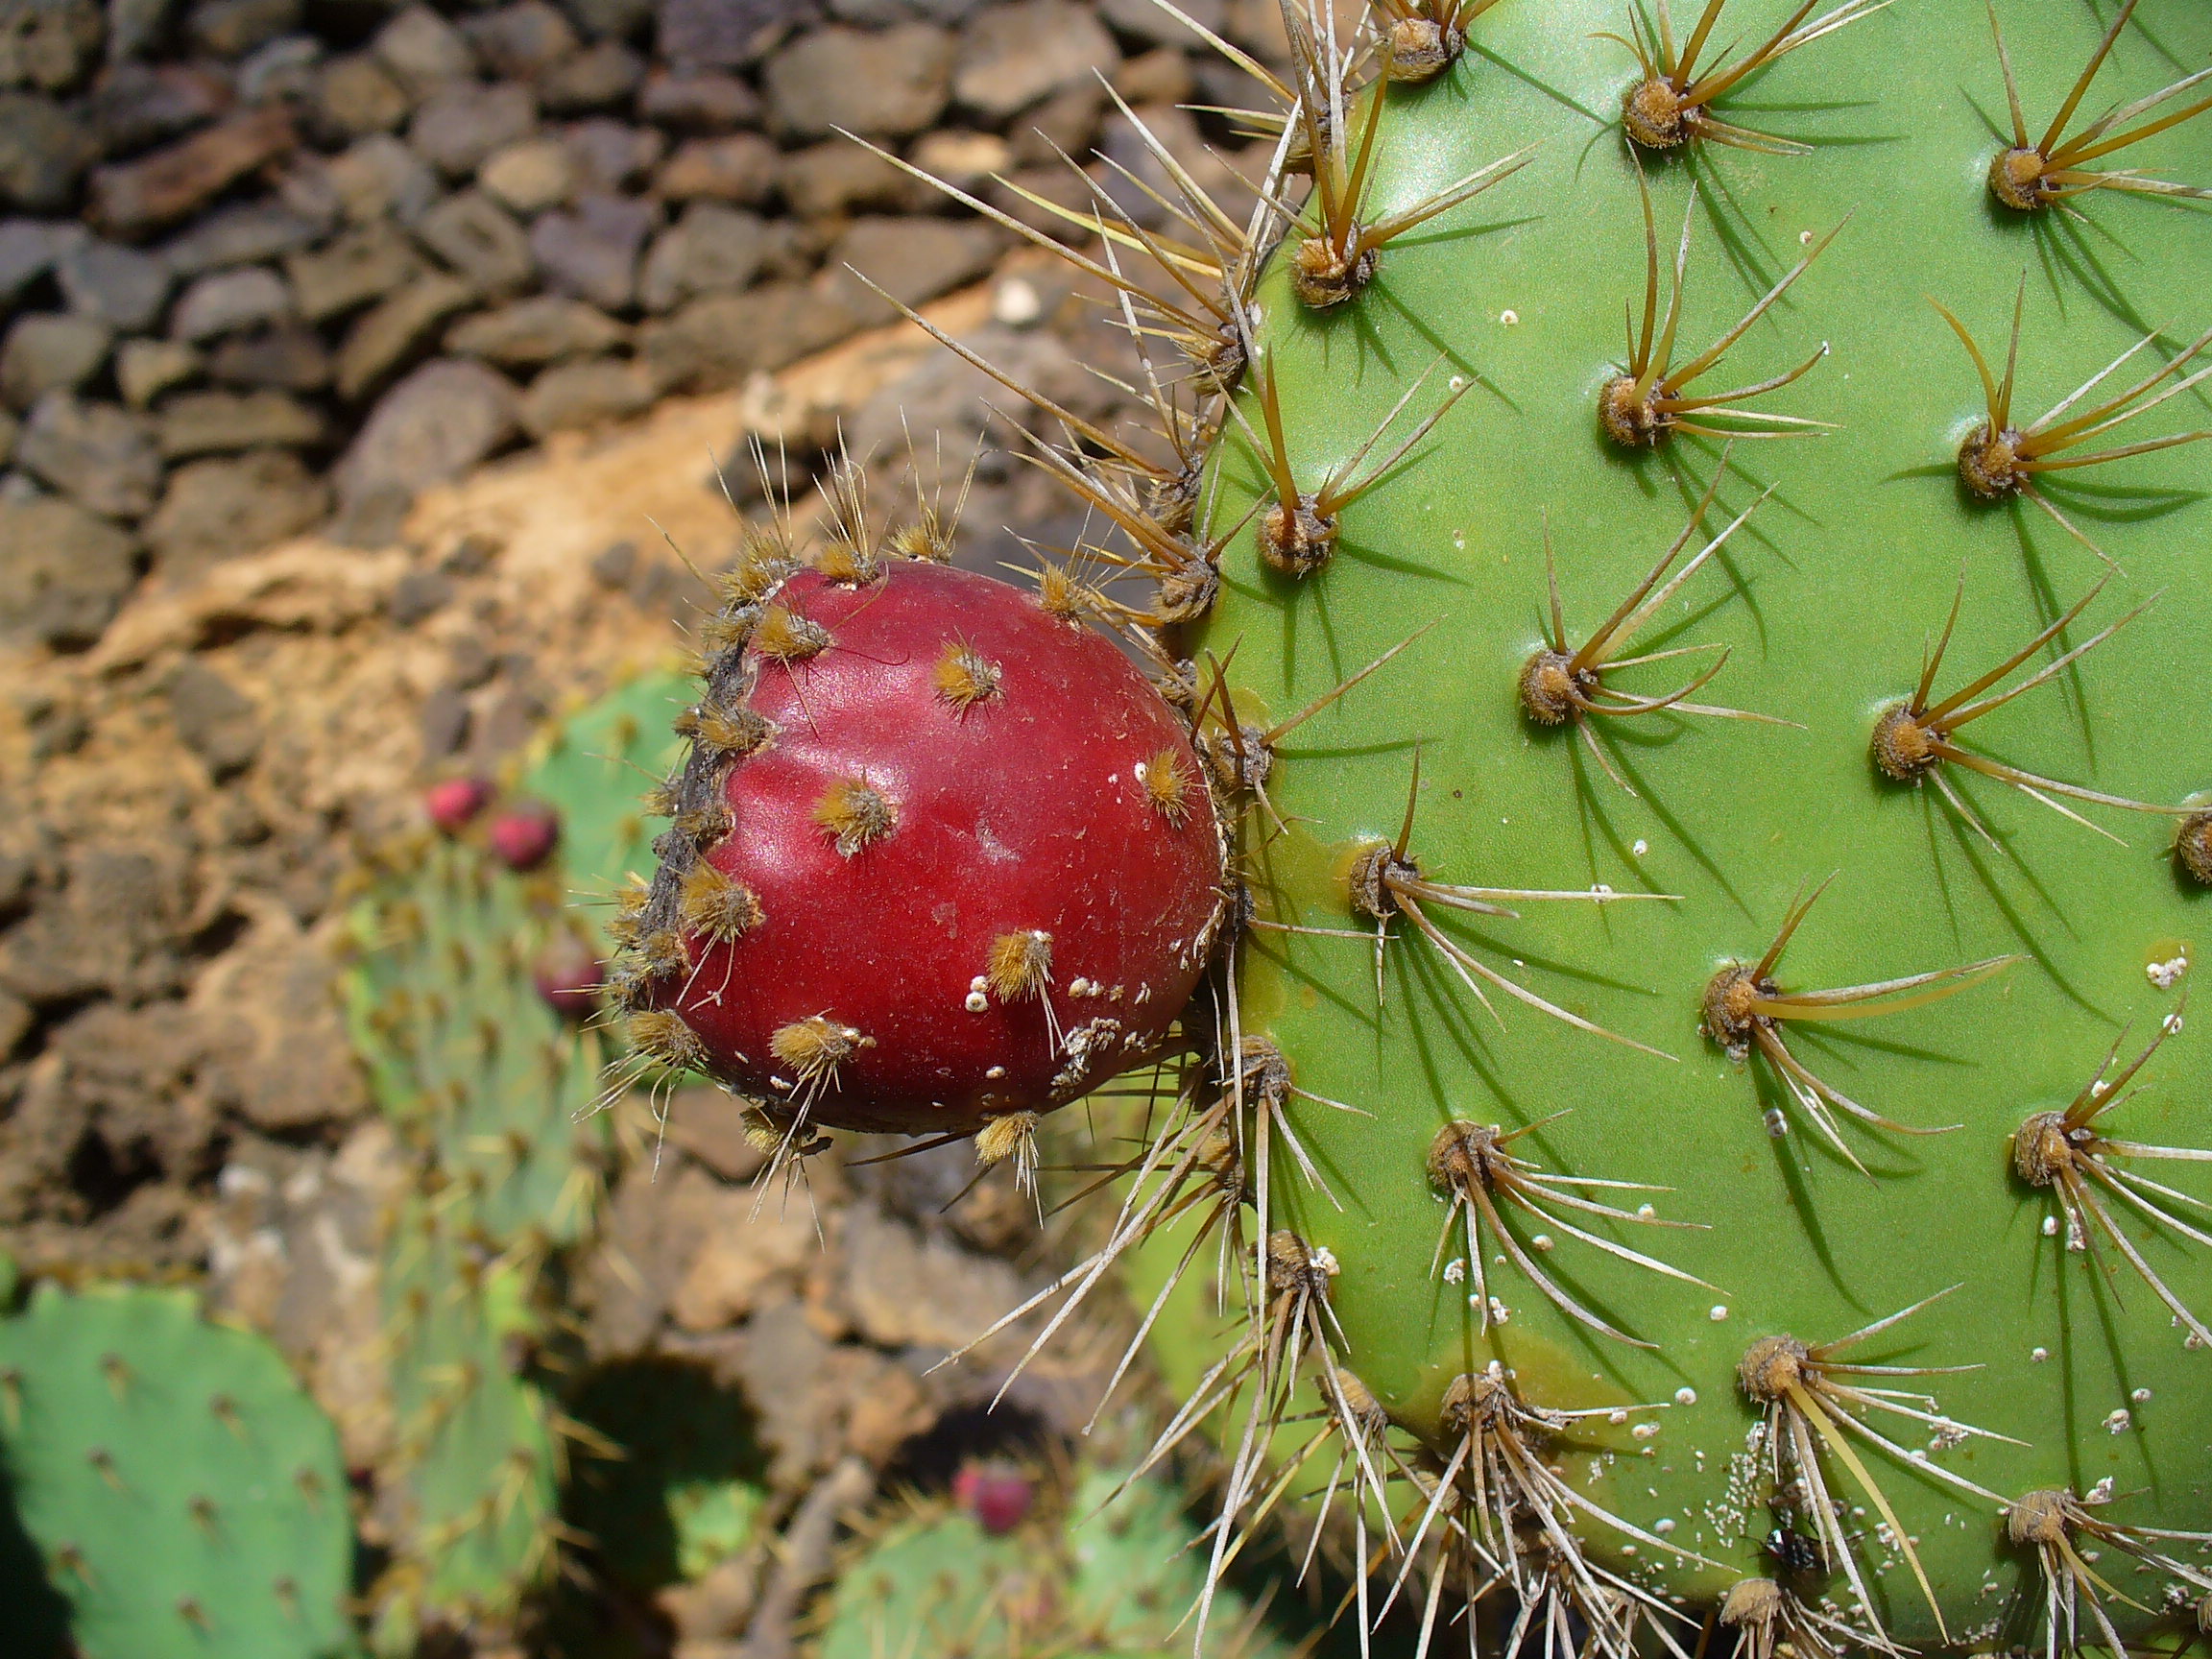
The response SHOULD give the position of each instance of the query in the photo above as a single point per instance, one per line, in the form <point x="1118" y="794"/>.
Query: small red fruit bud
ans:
<point x="453" y="803"/>
<point x="998" y="1495"/>
<point x="523" y="835"/>
<point x="569" y="976"/>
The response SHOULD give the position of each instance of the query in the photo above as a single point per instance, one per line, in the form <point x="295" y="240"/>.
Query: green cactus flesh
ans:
<point x="1803" y="1218"/>
<point x="185" y="1493"/>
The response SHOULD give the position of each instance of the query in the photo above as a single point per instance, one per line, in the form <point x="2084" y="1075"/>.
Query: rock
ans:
<point x="422" y="51"/>
<point x="395" y="330"/>
<point x="45" y="150"/>
<point x="745" y="1253"/>
<point x="907" y="1289"/>
<point x="532" y="332"/>
<point x="599" y="77"/>
<point x="609" y="156"/>
<point x="220" y="509"/>
<point x="289" y="355"/>
<point x="233" y="28"/>
<point x="119" y="286"/>
<point x="213" y="718"/>
<point x="609" y="20"/>
<point x="136" y="106"/>
<point x="360" y="265"/>
<point x="591" y="253"/>
<point x="355" y="95"/>
<point x="431" y="428"/>
<point x="711" y="249"/>
<point x="226" y="423"/>
<point x="476" y="237"/>
<point x="724" y="33"/>
<point x="1144" y="21"/>
<point x="288" y="1066"/>
<point x="834" y="180"/>
<point x="715" y="343"/>
<point x="1160" y="76"/>
<point x="284" y="69"/>
<point x="133" y="198"/>
<point x="50" y="45"/>
<point x="578" y="396"/>
<point x="1011" y="56"/>
<point x="378" y="175"/>
<point x="1061" y="126"/>
<point x="520" y="42"/>
<point x="891" y="85"/>
<point x="740" y="168"/>
<point x="135" y="27"/>
<point x="228" y="300"/>
<point x="530" y="177"/>
<point x="145" y="369"/>
<point x="27" y="247"/>
<point x="64" y="573"/>
<point x="698" y="102"/>
<point x="45" y="353"/>
<point x="244" y="233"/>
<point x="101" y="454"/>
<point x="462" y="123"/>
<point x="882" y="13"/>
<point x="961" y="158"/>
<point x="912" y="259"/>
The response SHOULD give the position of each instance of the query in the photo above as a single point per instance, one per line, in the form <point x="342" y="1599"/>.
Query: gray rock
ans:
<point x="724" y="34"/>
<point x="1063" y="125"/>
<point x="578" y="396"/>
<point x="27" y="251"/>
<point x="441" y="420"/>
<point x="45" y="150"/>
<point x="244" y="233"/>
<point x="520" y="42"/>
<point x="698" y="102"/>
<point x="145" y="369"/>
<point x="530" y="177"/>
<point x="419" y="595"/>
<point x="591" y="253"/>
<point x="711" y="249"/>
<point x="355" y="95"/>
<point x="610" y="156"/>
<point x="100" y="454"/>
<point x="742" y="168"/>
<point x="396" y="330"/>
<point x="118" y="285"/>
<point x="64" y="573"/>
<point x="135" y="27"/>
<point x="715" y="343"/>
<point x="1013" y="55"/>
<point x="233" y="28"/>
<point x="378" y="175"/>
<point x="600" y="77"/>
<point x="891" y="85"/>
<point x="609" y="20"/>
<point x="912" y="259"/>
<point x="1144" y="21"/>
<point x="45" y="353"/>
<point x="544" y="329"/>
<point x="282" y="69"/>
<point x="228" y="300"/>
<point x="480" y="241"/>
<point x="216" y="509"/>
<point x="213" y="718"/>
<point x="290" y="355"/>
<point x="422" y="51"/>
<point x="50" y="45"/>
<point x="462" y="123"/>
<point x="136" y="106"/>
<point x="880" y="14"/>
<point x="196" y="424"/>
<point x="352" y="270"/>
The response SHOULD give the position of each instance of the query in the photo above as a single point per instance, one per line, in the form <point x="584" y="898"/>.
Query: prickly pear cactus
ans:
<point x="185" y="1493"/>
<point x="1698" y="585"/>
<point x="493" y="1081"/>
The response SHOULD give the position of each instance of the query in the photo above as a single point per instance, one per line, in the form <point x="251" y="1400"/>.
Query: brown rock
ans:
<point x="713" y="344"/>
<point x="220" y="509"/>
<point x="115" y="925"/>
<point x="912" y="259"/>
<point x="698" y="103"/>
<point x="1160" y="76"/>
<point x="890" y="85"/>
<point x="141" y="196"/>
<point x="356" y="96"/>
<point x="461" y="124"/>
<point x="1012" y="56"/>
<point x="905" y="1290"/>
<point x="832" y="180"/>
<point x="99" y="453"/>
<point x="575" y="397"/>
<point x="214" y="719"/>
<point x="49" y="45"/>
<point x="544" y="329"/>
<point x="521" y="41"/>
<point x="740" y="168"/>
<point x="145" y="369"/>
<point x="225" y="423"/>
<point x="480" y="241"/>
<point x="397" y="330"/>
<point x="749" y="1248"/>
<point x="47" y="351"/>
<point x="44" y="150"/>
<point x="530" y="177"/>
<point x="285" y="1063"/>
<point x="64" y="573"/>
<point x="600" y="77"/>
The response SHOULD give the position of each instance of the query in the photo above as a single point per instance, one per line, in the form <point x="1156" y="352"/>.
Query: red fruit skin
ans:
<point x="996" y="1495"/>
<point x="1025" y="810"/>
<point x="523" y="836"/>
<point x="453" y="803"/>
<point x="569" y="977"/>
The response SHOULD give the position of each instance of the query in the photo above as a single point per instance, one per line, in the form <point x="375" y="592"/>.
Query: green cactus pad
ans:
<point x="1828" y="599"/>
<point x="186" y="1495"/>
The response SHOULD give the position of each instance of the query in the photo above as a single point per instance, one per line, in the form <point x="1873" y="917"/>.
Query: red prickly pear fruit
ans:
<point x="941" y="857"/>
<point x="998" y="1495"/>
<point x="453" y="803"/>
<point x="523" y="835"/>
<point x="569" y="977"/>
